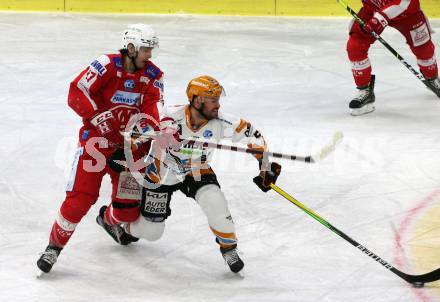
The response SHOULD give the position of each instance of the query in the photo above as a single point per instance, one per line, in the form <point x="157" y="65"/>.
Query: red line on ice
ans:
<point x="399" y="255"/>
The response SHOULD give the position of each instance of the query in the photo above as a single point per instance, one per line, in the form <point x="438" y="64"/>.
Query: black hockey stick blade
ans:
<point x="418" y="280"/>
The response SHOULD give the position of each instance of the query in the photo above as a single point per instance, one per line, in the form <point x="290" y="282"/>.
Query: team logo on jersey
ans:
<point x="98" y="67"/>
<point x="123" y="113"/>
<point x="127" y="98"/>
<point x="207" y="134"/>
<point x="129" y="84"/>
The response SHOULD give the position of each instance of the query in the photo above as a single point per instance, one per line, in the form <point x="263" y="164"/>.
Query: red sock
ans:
<point x="59" y="236"/>
<point x="109" y="218"/>
<point x="361" y="72"/>
<point x="428" y="68"/>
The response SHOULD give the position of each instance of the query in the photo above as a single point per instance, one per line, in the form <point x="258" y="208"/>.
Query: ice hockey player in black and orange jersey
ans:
<point x="185" y="167"/>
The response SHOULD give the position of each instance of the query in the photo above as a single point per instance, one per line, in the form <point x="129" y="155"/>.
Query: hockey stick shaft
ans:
<point x="385" y="43"/>
<point x="414" y="279"/>
<point x="321" y="154"/>
<point x="307" y="159"/>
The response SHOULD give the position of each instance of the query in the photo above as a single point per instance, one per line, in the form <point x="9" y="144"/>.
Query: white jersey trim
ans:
<point x="85" y="91"/>
<point x="396" y="10"/>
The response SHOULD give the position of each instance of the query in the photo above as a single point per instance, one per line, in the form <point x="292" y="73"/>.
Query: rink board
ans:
<point x="226" y="7"/>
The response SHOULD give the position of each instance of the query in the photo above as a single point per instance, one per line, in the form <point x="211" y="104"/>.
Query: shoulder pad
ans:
<point x="152" y="71"/>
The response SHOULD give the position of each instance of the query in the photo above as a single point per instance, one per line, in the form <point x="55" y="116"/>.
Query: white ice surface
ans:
<point x="291" y="78"/>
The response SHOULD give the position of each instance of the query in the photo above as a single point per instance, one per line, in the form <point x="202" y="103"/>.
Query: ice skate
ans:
<point x="115" y="231"/>
<point x="48" y="258"/>
<point x="232" y="259"/>
<point x="363" y="103"/>
<point x="434" y="85"/>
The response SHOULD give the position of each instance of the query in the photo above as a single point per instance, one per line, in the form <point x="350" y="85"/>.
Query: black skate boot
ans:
<point x="232" y="259"/>
<point x="364" y="102"/>
<point x="434" y="85"/>
<point x="48" y="258"/>
<point x="115" y="231"/>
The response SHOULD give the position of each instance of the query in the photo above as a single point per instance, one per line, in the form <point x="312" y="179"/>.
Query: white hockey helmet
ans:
<point x="139" y="35"/>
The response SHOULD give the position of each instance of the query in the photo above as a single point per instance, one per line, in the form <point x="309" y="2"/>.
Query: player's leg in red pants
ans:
<point x="358" y="45"/>
<point x="82" y="190"/>
<point x="417" y="33"/>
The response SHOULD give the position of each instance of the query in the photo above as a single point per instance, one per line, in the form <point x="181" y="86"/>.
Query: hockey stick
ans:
<point x="415" y="280"/>
<point x="385" y="43"/>
<point x="321" y="154"/>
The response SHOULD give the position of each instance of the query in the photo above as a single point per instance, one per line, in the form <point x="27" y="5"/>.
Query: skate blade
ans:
<point x="39" y="274"/>
<point x="363" y="110"/>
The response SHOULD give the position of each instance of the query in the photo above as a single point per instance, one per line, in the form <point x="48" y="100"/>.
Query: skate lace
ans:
<point x="231" y="257"/>
<point x="50" y="256"/>
<point x="362" y="94"/>
<point x="116" y="230"/>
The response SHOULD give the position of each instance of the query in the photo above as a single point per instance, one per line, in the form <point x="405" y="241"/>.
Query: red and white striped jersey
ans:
<point x="105" y="85"/>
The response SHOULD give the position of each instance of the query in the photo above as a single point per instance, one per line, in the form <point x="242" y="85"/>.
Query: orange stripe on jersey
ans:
<point x="241" y="126"/>
<point x="188" y="120"/>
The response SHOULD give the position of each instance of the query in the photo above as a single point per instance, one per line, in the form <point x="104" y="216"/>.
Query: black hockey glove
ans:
<point x="266" y="178"/>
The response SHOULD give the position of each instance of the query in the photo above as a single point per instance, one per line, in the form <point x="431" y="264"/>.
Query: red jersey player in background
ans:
<point x="405" y="16"/>
<point x="106" y="95"/>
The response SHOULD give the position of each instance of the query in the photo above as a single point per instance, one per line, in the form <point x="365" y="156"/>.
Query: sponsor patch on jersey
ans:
<point x="155" y="203"/>
<point x="129" y="84"/>
<point x="249" y="130"/>
<point x="128" y="187"/>
<point x="98" y="67"/>
<point x="145" y="80"/>
<point x="207" y="134"/>
<point x="152" y="71"/>
<point x="127" y="98"/>
<point x="158" y="84"/>
<point x="118" y="62"/>
<point x="420" y="35"/>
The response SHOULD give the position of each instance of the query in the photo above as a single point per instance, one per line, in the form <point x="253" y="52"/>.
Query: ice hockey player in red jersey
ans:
<point x="185" y="167"/>
<point x="403" y="15"/>
<point x="106" y="95"/>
